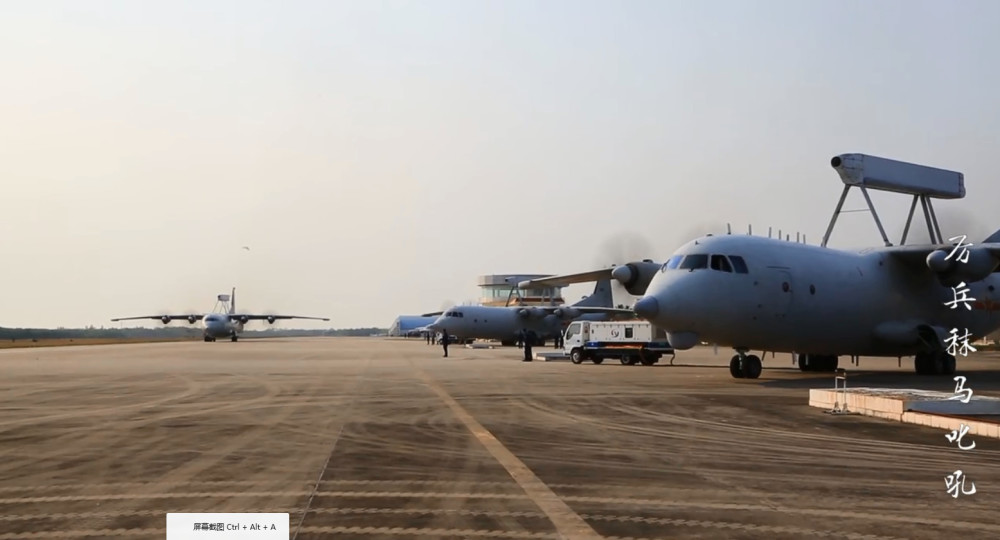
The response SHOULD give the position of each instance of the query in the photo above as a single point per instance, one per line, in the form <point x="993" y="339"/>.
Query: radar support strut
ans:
<point x="933" y="228"/>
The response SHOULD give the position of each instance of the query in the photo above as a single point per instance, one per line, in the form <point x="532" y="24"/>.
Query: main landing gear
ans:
<point x="233" y="338"/>
<point x="934" y="363"/>
<point x="745" y="366"/>
<point x="209" y="338"/>
<point x="818" y="362"/>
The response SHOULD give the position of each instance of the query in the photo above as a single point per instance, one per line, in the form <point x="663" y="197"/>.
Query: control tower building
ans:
<point x="501" y="290"/>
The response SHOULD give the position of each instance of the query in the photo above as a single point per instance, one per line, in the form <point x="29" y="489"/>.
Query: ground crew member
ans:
<point x="428" y="338"/>
<point x="444" y="342"/>
<point x="529" y="340"/>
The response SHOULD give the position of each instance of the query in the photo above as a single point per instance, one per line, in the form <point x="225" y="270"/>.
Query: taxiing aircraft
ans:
<point x="226" y="322"/>
<point x="504" y="323"/>
<point x="819" y="303"/>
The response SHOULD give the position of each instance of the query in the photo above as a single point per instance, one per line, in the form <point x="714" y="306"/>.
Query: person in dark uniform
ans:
<point x="428" y="338"/>
<point x="444" y="341"/>
<point x="529" y="340"/>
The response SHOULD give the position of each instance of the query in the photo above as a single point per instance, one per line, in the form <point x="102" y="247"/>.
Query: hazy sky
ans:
<point x="378" y="156"/>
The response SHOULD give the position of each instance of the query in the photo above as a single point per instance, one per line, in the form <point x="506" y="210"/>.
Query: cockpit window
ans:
<point x="694" y="262"/>
<point x="672" y="263"/>
<point x="720" y="262"/>
<point x="739" y="264"/>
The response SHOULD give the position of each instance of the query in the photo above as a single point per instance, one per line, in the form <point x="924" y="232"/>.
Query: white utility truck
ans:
<point x="630" y="342"/>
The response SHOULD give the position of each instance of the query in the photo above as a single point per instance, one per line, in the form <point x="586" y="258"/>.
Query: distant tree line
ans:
<point x="7" y="334"/>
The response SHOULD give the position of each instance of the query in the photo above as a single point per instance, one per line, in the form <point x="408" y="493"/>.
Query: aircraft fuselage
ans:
<point x="218" y="325"/>
<point x="809" y="299"/>
<point x="500" y="323"/>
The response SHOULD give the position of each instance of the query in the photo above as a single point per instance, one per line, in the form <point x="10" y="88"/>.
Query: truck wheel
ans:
<point x="628" y="360"/>
<point x="647" y="360"/>
<point x="597" y="360"/>
<point x="575" y="356"/>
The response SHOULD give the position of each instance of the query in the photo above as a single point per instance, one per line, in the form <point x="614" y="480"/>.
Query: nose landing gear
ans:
<point x="745" y="366"/>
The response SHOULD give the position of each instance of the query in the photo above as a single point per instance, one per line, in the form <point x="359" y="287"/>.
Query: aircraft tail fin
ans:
<point x="232" y="301"/>
<point x="993" y="238"/>
<point x="601" y="297"/>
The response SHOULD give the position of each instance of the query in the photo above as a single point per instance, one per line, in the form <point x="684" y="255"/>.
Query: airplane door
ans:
<point x="779" y="291"/>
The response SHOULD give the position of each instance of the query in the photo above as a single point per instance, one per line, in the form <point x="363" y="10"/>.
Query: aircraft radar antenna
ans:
<point x="922" y="182"/>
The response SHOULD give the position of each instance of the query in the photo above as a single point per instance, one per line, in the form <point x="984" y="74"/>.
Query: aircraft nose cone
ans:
<point x="647" y="307"/>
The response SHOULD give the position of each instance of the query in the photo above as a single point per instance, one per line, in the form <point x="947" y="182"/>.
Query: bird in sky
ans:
<point x="246" y="248"/>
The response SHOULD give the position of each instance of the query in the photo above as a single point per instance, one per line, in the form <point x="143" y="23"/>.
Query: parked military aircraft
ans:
<point x="503" y="323"/>
<point x="756" y="293"/>
<point x="226" y="322"/>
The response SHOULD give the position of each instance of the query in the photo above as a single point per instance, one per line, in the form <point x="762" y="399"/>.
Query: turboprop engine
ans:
<point x="952" y="271"/>
<point x="192" y="319"/>
<point x="244" y="319"/>
<point x="270" y="320"/>
<point x="566" y="313"/>
<point x="635" y="276"/>
<point x="530" y="312"/>
<point x="165" y="319"/>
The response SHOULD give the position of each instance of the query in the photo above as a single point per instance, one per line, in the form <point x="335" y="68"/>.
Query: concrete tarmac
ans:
<point x="375" y="438"/>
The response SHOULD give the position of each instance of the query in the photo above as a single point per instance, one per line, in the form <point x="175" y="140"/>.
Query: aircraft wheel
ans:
<point x="751" y="367"/>
<point x="597" y="360"/>
<point x="734" y="367"/>
<point x="922" y="364"/>
<point x="949" y="364"/>
<point x="207" y="339"/>
<point x="233" y="338"/>
<point x="576" y="356"/>
<point x="804" y="362"/>
<point x="830" y="363"/>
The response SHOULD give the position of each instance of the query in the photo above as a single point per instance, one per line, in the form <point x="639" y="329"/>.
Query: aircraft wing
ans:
<point x="435" y="314"/>
<point x="195" y="316"/>
<point x="236" y="316"/>
<point x="917" y="255"/>
<point x="567" y="279"/>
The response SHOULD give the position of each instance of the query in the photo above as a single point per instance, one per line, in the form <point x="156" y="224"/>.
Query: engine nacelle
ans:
<point x="635" y="276"/>
<point x="567" y="313"/>
<point x="192" y="319"/>
<point x="244" y="319"/>
<point x="270" y="320"/>
<point x="165" y="319"/>
<point x="979" y="266"/>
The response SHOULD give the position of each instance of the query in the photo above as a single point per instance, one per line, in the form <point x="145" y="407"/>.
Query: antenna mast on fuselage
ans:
<point x="924" y="183"/>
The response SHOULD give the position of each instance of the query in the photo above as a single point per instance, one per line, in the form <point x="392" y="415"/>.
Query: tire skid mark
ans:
<point x="193" y="387"/>
<point x="855" y="444"/>
<point x="346" y="417"/>
<point x="433" y="533"/>
<point x="581" y="499"/>
<point x="773" y="529"/>
<point x="768" y="449"/>
<point x="567" y="523"/>
<point x="99" y="533"/>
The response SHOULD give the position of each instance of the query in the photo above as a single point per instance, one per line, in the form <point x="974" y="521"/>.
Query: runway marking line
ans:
<point x="568" y="523"/>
